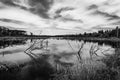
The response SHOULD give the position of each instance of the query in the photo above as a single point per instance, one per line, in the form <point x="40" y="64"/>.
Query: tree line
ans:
<point x="7" y="32"/>
<point x="101" y="34"/>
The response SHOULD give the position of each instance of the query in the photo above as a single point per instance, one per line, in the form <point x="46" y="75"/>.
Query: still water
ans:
<point x="59" y="59"/>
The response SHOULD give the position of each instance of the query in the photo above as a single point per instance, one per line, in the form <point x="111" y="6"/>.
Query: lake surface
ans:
<point x="59" y="59"/>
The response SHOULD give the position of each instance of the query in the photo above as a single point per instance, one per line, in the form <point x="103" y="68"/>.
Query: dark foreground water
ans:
<point x="59" y="59"/>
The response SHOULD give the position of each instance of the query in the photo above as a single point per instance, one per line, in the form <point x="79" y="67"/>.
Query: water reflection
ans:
<point x="109" y="43"/>
<point x="45" y="59"/>
<point x="6" y="42"/>
<point x="40" y="70"/>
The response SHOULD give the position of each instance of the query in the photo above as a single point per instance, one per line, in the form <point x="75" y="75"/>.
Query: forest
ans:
<point x="101" y="34"/>
<point x="8" y="32"/>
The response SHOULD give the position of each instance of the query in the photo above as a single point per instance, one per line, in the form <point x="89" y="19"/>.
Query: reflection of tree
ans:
<point x="37" y="45"/>
<point x="38" y="69"/>
<point x="110" y="43"/>
<point x="79" y="52"/>
<point x="70" y="46"/>
<point x="6" y="43"/>
<point x="93" y="50"/>
<point x="112" y="70"/>
<point x="104" y="52"/>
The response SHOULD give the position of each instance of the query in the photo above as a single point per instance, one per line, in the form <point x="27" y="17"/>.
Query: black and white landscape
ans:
<point x="59" y="40"/>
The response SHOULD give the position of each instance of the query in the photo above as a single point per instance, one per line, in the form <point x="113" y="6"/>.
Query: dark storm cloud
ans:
<point x="16" y="22"/>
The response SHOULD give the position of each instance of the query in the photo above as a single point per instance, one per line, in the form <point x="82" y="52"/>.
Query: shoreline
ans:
<point x="79" y="38"/>
<point x="102" y="39"/>
<point x="20" y="37"/>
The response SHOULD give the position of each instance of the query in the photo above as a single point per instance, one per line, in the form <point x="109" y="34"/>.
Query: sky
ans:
<point x="58" y="17"/>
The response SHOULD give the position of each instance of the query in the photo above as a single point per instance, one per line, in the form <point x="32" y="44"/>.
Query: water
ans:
<point x="58" y="59"/>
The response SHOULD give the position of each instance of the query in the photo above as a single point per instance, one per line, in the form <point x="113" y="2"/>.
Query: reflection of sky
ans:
<point x="17" y="58"/>
<point x="14" y="54"/>
<point x="62" y="51"/>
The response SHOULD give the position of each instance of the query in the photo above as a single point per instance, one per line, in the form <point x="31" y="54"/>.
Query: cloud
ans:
<point x="40" y="7"/>
<point x="62" y="16"/>
<point x="22" y="15"/>
<point x="8" y="2"/>
<point x="102" y="28"/>
<point x="107" y="15"/>
<point x="64" y="9"/>
<point x="58" y="11"/>
<point x="91" y="7"/>
<point x="22" y="3"/>
<point x="69" y="18"/>
<point x="16" y="22"/>
<point x="83" y="29"/>
<point x="66" y="19"/>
